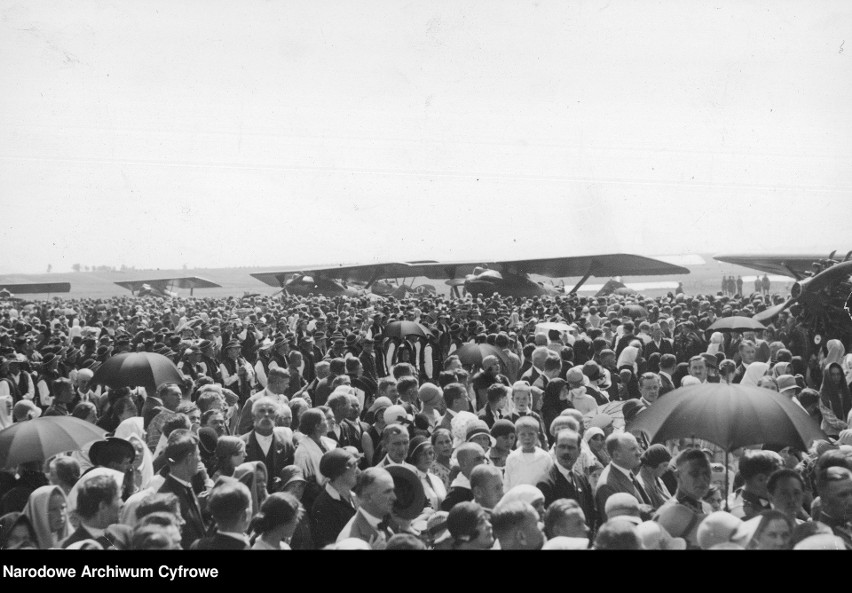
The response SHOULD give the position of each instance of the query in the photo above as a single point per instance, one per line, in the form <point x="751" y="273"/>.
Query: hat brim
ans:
<point x="410" y="496"/>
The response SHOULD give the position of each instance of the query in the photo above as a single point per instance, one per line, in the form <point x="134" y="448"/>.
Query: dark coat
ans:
<point x="219" y="542"/>
<point x="328" y="517"/>
<point x="280" y="454"/>
<point x="555" y="486"/>
<point x="194" y="526"/>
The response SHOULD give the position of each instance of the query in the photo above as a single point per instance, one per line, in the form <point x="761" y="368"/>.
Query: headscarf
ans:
<point x="131" y="426"/>
<point x="245" y="473"/>
<point x="781" y="368"/>
<point x="717" y="343"/>
<point x="835" y="354"/>
<point x="6" y="419"/>
<point x="628" y="358"/>
<point x="754" y="372"/>
<point x="8" y="522"/>
<point x="144" y="463"/>
<point x="36" y="512"/>
<point x="836" y="399"/>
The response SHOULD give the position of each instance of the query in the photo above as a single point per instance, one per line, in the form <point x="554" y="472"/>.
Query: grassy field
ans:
<point x="704" y="278"/>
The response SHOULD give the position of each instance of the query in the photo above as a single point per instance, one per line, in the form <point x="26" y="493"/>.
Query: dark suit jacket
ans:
<point x="219" y="542"/>
<point x="624" y="342"/>
<point x="194" y="526"/>
<point x="115" y="537"/>
<point x="555" y="486"/>
<point x="612" y="481"/>
<point x="350" y="436"/>
<point x="666" y="347"/>
<point x="150" y="408"/>
<point x="667" y="385"/>
<point x="282" y="451"/>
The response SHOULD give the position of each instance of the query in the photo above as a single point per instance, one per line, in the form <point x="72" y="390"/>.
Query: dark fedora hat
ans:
<point x="410" y="497"/>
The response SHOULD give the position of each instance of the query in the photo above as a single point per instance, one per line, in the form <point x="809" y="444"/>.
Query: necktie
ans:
<point x="639" y="489"/>
<point x="384" y="527"/>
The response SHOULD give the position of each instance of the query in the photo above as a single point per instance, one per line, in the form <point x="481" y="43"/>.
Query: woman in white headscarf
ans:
<point x="835" y="353"/>
<point x="717" y="343"/>
<point x="47" y="510"/>
<point x="754" y="372"/>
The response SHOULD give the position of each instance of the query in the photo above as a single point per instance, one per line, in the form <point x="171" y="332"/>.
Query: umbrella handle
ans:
<point x="727" y="505"/>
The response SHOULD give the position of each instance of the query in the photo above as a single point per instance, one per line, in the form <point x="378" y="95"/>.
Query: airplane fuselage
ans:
<point x="514" y="285"/>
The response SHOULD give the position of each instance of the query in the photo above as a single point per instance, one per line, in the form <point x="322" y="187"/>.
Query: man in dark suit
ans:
<point x="98" y="505"/>
<point x="668" y="365"/>
<point x="618" y="476"/>
<point x="273" y="446"/>
<point x="658" y="343"/>
<point x="369" y="361"/>
<point x="469" y="455"/>
<point x="344" y="432"/>
<point x="230" y="505"/>
<point x="183" y="463"/>
<point x="626" y="338"/>
<point x="564" y="481"/>
<point x="376" y="496"/>
<point x="456" y="400"/>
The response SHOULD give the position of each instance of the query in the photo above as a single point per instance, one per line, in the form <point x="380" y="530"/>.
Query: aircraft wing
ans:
<point x="607" y="265"/>
<point x="362" y="274"/>
<point x="163" y="284"/>
<point x="36" y="287"/>
<point x="793" y="266"/>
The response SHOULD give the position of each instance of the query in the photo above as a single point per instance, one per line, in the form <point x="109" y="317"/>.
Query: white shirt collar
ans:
<point x="181" y="482"/>
<point x="240" y="536"/>
<point x="461" y="481"/>
<point x="626" y="472"/>
<point x="264" y="441"/>
<point x="371" y="519"/>
<point x="567" y="473"/>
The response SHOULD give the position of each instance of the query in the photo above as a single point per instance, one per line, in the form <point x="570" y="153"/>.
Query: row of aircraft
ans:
<point x="509" y="278"/>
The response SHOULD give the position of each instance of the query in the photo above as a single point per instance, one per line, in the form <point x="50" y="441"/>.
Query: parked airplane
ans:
<point x="509" y="278"/>
<point x="9" y="290"/>
<point x="165" y="287"/>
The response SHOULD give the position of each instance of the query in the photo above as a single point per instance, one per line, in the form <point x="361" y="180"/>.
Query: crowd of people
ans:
<point x="315" y="423"/>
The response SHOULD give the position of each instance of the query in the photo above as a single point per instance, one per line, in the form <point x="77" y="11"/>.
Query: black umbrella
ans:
<point x="736" y="324"/>
<point x="401" y="329"/>
<point x="42" y="438"/>
<point x="137" y="369"/>
<point x="472" y="354"/>
<point x="731" y="416"/>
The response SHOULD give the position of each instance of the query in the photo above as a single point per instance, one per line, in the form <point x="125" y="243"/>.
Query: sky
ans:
<point x="215" y="133"/>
